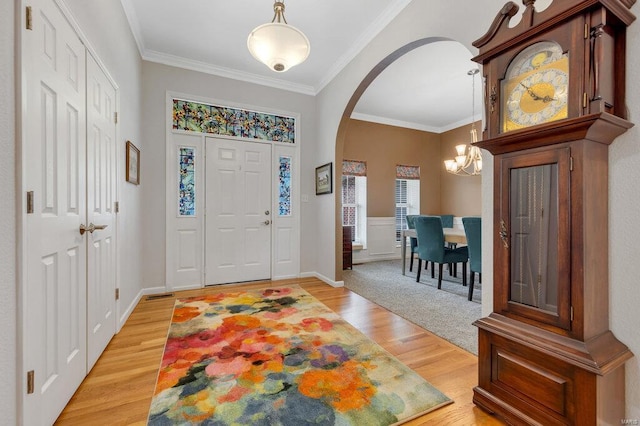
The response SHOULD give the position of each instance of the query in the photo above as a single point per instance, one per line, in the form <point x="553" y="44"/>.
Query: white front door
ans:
<point x="238" y="211"/>
<point x="101" y="193"/>
<point x="54" y="298"/>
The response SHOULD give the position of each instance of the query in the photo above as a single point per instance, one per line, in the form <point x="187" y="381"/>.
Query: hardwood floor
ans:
<point x="118" y="389"/>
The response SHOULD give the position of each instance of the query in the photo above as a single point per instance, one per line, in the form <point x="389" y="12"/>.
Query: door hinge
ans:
<point x="117" y="294"/>
<point x="116" y="206"/>
<point x="115" y="117"/>
<point x="29" y="202"/>
<point x="30" y="382"/>
<point x="586" y="31"/>
<point x="570" y="164"/>
<point x="572" y="313"/>
<point x="29" y="18"/>
<point x="584" y="100"/>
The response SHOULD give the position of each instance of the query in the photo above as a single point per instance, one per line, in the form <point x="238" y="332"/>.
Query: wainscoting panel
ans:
<point x="381" y="241"/>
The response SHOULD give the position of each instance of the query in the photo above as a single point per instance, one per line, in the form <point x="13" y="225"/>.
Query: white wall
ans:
<point x="624" y="229"/>
<point x="105" y="25"/>
<point x="157" y="80"/>
<point x="465" y="22"/>
<point x="7" y="217"/>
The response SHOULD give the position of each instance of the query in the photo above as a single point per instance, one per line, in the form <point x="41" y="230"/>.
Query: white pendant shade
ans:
<point x="279" y="46"/>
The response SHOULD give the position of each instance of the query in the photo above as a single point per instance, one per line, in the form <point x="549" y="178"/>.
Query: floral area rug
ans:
<point x="277" y="356"/>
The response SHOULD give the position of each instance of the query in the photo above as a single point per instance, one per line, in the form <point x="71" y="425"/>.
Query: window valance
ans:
<point x="354" y="168"/>
<point x="407" y="172"/>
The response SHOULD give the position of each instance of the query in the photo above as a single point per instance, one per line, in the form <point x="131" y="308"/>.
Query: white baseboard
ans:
<point x="321" y="277"/>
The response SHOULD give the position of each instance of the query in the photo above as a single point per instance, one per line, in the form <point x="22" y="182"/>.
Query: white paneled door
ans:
<point x="54" y="305"/>
<point x="238" y="206"/>
<point x="68" y="174"/>
<point x="101" y="217"/>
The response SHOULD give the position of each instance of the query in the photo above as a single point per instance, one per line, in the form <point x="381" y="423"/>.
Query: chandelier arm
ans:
<point x="472" y="154"/>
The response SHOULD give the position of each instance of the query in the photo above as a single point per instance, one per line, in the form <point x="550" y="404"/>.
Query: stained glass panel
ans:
<point x="219" y="120"/>
<point x="187" y="182"/>
<point x="284" y="187"/>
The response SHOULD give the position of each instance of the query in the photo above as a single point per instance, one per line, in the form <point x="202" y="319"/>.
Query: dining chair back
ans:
<point x="431" y="247"/>
<point x="413" y="241"/>
<point x="447" y="220"/>
<point x="473" y="231"/>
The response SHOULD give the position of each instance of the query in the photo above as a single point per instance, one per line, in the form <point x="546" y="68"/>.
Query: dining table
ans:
<point x="451" y="235"/>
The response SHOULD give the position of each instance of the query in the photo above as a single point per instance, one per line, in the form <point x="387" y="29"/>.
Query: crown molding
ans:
<point x="409" y="125"/>
<point x="132" y="17"/>
<point x="371" y="32"/>
<point x="180" y="62"/>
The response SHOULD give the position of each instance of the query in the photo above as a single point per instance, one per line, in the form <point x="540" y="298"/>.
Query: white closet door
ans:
<point x="54" y="300"/>
<point x="101" y="194"/>
<point x="238" y="206"/>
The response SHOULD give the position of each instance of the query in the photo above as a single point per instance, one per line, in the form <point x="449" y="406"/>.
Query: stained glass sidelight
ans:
<point x="284" y="186"/>
<point x="187" y="182"/>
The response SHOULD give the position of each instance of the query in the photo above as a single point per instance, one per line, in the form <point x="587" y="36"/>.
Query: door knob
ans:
<point x="266" y="222"/>
<point x="267" y="212"/>
<point x="91" y="228"/>
<point x="84" y="229"/>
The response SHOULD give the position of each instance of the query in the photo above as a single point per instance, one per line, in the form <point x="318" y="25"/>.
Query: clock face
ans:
<point x="535" y="88"/>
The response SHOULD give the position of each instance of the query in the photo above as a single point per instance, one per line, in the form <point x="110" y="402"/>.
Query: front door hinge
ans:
<point x="29" y="18"/>
<point x="570" y="164"/>
<point x="117" y="294"/>
<point x="116" y="206"/>
<point x="572" y="313"/>
<point x="115" y="117"/>
<point x="29" y="202"/>
<point x="30" y="382"/>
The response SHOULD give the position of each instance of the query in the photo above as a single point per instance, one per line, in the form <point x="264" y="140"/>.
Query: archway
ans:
<point x="346" y="117"/>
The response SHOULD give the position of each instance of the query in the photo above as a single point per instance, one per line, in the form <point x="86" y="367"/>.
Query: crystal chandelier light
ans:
<point x="277" y="44"/>
<point x="468" y="162"/>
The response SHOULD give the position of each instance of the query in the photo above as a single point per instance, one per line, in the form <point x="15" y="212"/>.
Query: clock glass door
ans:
<point x="535" y="209"/>
<point x="534" y="229"/>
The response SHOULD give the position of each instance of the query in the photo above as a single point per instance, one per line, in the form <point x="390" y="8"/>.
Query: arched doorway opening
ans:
<point x="342" y="134"/>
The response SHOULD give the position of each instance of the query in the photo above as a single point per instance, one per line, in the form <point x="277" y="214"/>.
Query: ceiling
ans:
<point x="211" y="36"/>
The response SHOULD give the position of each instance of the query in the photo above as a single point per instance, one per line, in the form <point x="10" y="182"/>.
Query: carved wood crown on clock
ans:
<point x="562" y="63"/>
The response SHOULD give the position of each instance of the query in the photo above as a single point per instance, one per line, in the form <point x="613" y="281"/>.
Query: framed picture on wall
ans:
<point x="324" y="179"/>
<point x="133" y="164"/>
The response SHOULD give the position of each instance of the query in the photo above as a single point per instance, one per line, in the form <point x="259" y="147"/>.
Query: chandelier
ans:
<point x="278" y="45"/>
<point x="468" y="162"/>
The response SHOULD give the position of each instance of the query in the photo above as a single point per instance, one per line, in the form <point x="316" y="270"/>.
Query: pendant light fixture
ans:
<point x="277" y="44"/>
<point x="468" y="162"/>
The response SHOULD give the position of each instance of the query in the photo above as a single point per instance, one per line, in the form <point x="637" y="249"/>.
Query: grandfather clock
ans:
<point x="555" y="101"/>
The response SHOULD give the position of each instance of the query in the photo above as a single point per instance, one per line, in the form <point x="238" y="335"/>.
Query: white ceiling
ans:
<point x="211" y="36"/>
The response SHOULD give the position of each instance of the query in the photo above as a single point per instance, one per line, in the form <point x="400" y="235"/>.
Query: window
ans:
<point x="407" y="202"/>
<point x="354" y="206"/>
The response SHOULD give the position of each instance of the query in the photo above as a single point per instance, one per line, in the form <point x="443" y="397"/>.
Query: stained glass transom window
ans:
<point x="203" y="118"/>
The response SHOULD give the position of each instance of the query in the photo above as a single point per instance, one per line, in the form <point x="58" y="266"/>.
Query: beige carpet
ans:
<point x="446" y="312"/>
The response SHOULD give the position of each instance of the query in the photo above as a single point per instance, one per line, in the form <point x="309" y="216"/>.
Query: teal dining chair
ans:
<point x="431" y="248"/>
<point x="447" y="220"/>
<point x="473" y="231"/>
<point x="413" y="241"/>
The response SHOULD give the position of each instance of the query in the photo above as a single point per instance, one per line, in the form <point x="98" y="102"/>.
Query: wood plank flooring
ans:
<point x="118" y="389"/>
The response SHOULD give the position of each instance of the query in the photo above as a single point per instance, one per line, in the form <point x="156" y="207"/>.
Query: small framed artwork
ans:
<point x="324" y="179"/>
<point x="133" y="164"/>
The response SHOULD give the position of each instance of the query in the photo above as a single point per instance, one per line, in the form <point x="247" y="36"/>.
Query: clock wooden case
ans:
<point x="555" y="101"/>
